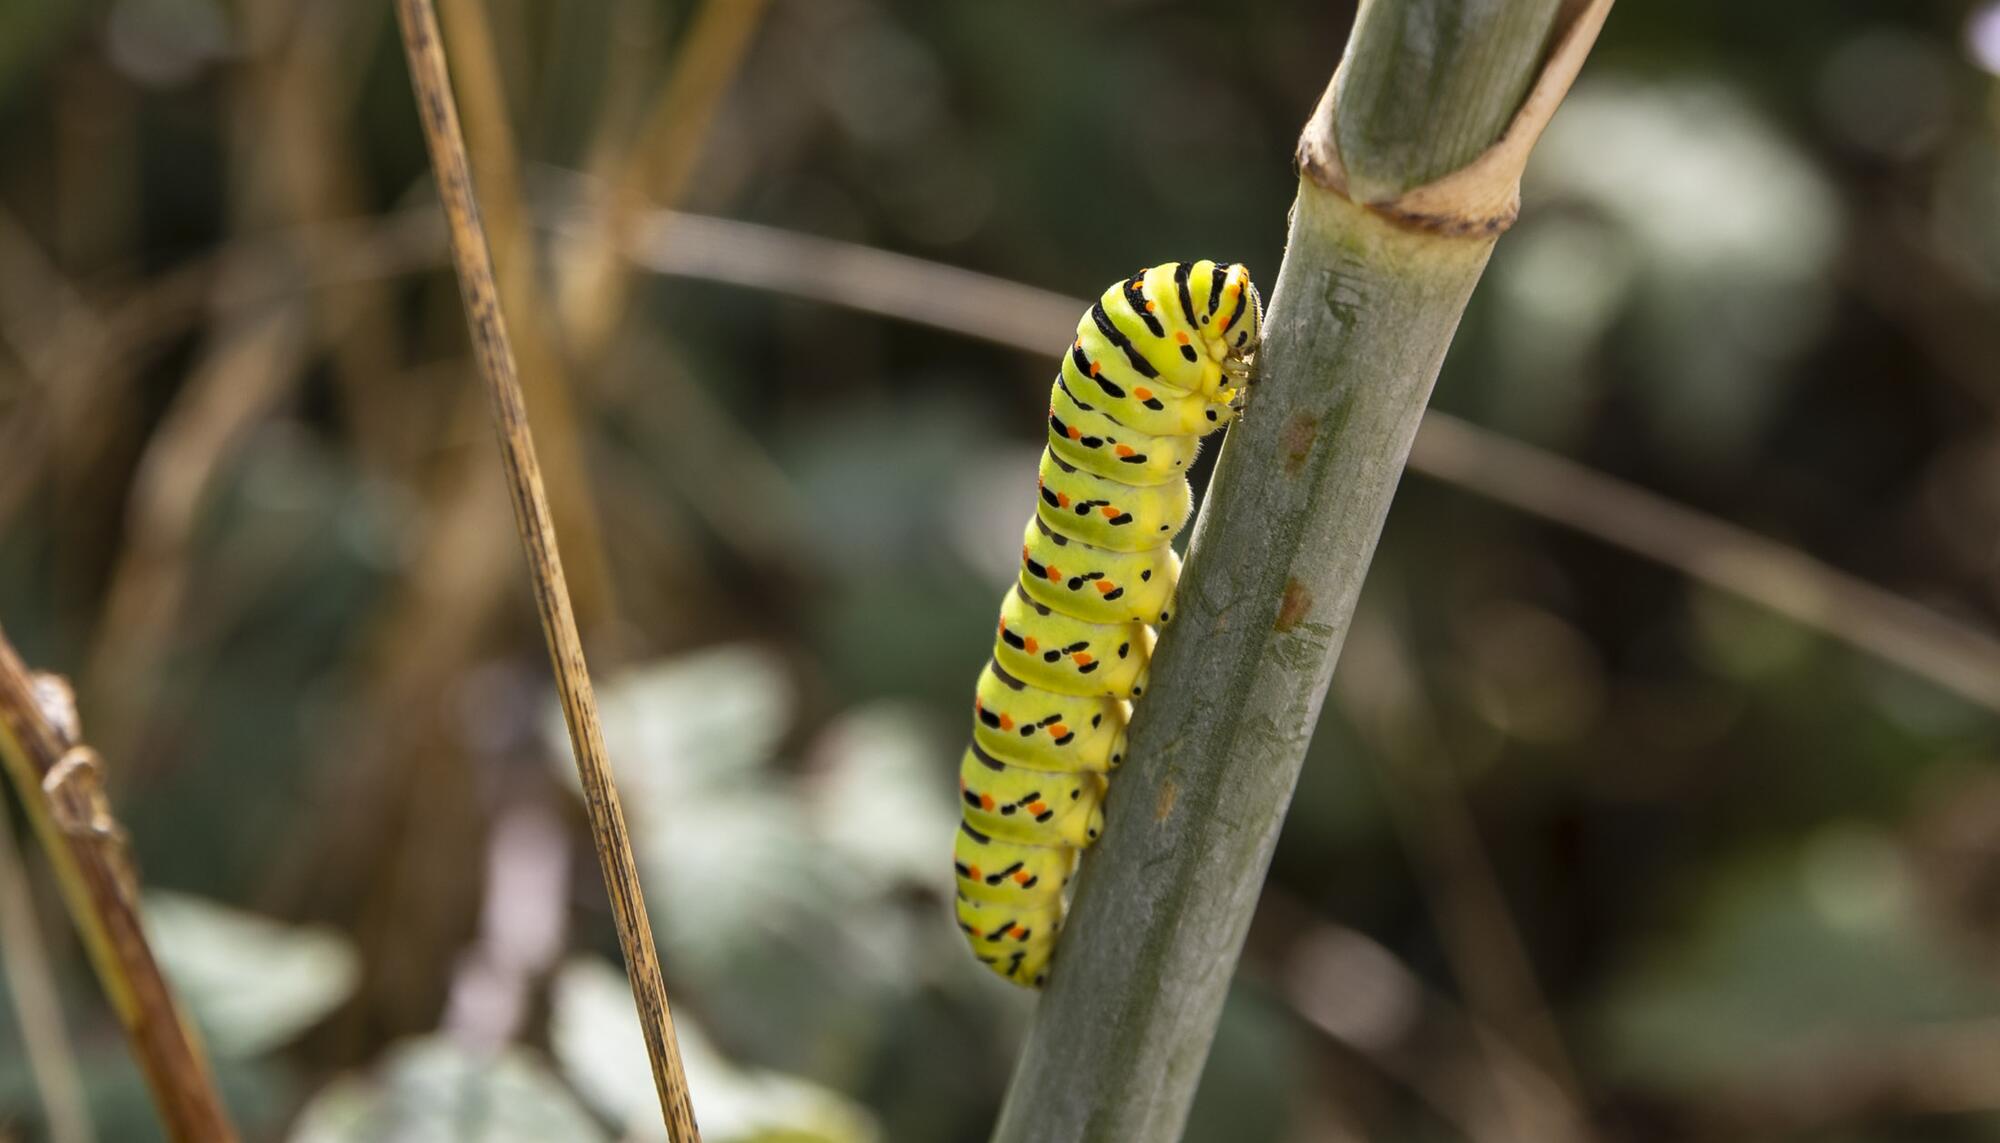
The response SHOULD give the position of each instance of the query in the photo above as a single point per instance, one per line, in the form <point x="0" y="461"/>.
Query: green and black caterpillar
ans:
<point x="1160" y="361"/>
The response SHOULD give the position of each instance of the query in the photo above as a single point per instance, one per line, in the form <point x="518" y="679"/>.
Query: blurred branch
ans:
<point x="1716" y="552"/>
<point x="1361" y="995"/>
<point x="594" y="281"/>
<point x="48" y="325"/>
<point x="1365" y="306"/>
<point x="857" y="277"/>
<point x="294" y="150"/>
<point x="32" y="984"/>
<point x="60" y="782"/>
<point x="432" y="85"/>
<point x="1487" y="953"/>
<point x="245" y="371"/>
<point x="545" y="381"/>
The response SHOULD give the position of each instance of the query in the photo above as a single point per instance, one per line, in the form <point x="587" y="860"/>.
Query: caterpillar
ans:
<point x="1161" y="360"/>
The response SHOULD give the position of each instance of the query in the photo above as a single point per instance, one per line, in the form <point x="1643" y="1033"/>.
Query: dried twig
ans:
<point x="430" y="79"/>
<point x="61" y="783"/>
<point x="536" y="335"/>
<point x="32" y="984"/>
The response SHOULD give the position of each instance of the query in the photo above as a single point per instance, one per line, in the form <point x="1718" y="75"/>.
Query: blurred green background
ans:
<point x="1584" y="850"/>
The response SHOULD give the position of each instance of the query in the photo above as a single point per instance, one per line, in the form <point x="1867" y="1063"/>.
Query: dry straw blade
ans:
<point x="430" y="78"/>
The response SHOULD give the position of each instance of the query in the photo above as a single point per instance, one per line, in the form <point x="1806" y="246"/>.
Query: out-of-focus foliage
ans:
<point x="430" y="1088"/>
<point x="251" y="985"/>
<point x="596" y="1034"/>
<point x="1578" y="842"/>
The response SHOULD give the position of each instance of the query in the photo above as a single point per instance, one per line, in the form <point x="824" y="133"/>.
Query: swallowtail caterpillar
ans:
<point x="1160" y="361"/>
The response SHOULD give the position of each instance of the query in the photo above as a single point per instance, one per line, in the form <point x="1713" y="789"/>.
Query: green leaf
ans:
<point x="251" y="983"/>
<point x="596" y="1036"/>
<point x="876" y="800"/>
<point x="683" y="725"/>
<point x="431" y="1089"/>
<point x="1825" y="947"/>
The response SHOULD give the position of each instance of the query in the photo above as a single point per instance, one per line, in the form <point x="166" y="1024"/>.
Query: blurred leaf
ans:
<point x="1825" y="947"/>
<point x="1732" y="231"/>
<point x="683" y="725"/>
<point x="879" y="801"/>
<point x="1744" y="641"/>
<point x="430" y="1090"/>
<point x="778" y="901"/>
<point x="596" y="1036"/>
<point x="27" y="33"/>
<point x="251" y="983"/>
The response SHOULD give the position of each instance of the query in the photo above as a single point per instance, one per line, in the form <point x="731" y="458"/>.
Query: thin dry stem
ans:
<point x="545" y="382"/>
<point x="30" y="981"/>
<point x="431" y="81"/>
<point x="61" y="784"/>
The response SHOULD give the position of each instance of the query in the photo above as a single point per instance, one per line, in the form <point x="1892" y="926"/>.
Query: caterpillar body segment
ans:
<point x="1148" y="406"/>
<point x="1159" y="361"/>
<point x="1034" y="807"/>
<point x="1098" y="584"/>
<point x="1108" y="513"/>
<point x="1014" y="941"/>
<point x="1019" y="725"/>
<point x="1080" y="658"/>
<point x="1093" y="442"/>
<point x="992" y="871"/>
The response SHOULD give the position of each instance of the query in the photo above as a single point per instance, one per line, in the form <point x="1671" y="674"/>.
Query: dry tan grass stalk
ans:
<point x="431" y="80"/>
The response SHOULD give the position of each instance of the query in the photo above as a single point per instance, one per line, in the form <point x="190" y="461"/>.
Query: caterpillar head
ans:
<point x="1239" y="322"/>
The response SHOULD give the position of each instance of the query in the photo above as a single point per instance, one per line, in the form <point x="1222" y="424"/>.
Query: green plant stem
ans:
<point x="1427" y="85"/>
<point x="1364" y="308"/>
<point x="1356" y="330"/>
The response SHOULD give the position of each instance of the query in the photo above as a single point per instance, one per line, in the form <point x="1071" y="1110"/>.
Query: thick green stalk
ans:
<point x="1364" y="307"/>
<point x="1427" y="86"/>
